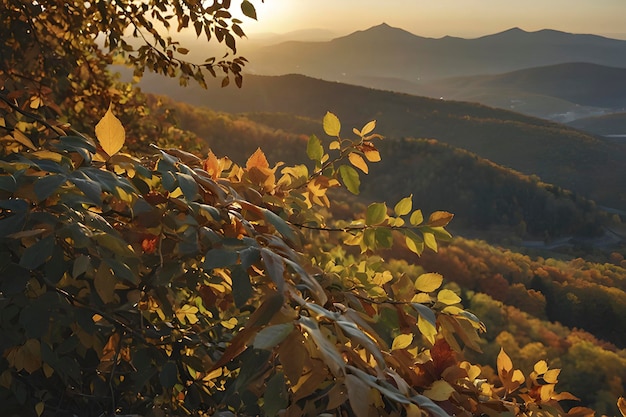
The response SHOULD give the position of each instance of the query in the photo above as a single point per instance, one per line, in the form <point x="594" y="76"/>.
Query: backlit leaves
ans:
<point x="332" y="125"/>
<point x="110" y="133"/>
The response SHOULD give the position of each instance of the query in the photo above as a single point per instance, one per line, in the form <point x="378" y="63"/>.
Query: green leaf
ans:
<point x="271" y="336"/>
<point x="219" y="258"/>
<point x="91" y="189"/>
<point x="384" y="237"/>
<point x="376" y="213"/>
<point x="282" y="226"/>
<point x="332" y="125"/>
<point x="36" y="254"/>
<point x="188" y="186"/>
<point x="8" y="183"/>
<point x="169" y="375"/>
<point x="404" y="206"/>
<point x="314" y="149"/>
<point x="242" y="288"/>
<point x="248" y="9"/>
<point x="275" y="398"/>
<point x="358" y="394"/>
<point x="45" y="186"/>
<point x="274" y="267"/>
<point x="350" y="178"/>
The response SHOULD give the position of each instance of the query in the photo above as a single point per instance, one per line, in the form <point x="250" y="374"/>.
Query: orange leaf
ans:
<point x="257" y="160"/>
<point x="440" y="218"/>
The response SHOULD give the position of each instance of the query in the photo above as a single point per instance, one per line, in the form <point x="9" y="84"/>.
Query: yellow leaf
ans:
<point x="39" y="408"/>
<point x="358" y="161"/>
<point x="546" y="392"/>
<point x="110" y="133"/>
<point x="372" y="154"/>
<point x="439" y="391"/>
<point x="334" y="145"/>
<point x="430" y="241"/>
<point x="504" y="362"/>
<point x="421" y="297"/>
<point x="402" y="341"/>
<point x="23" y="139"/>
<point x="551" y="376"/>
<point x="416" y="217"/>
<point x="428" y="330"/>
<point x="53" y="156"/>
<point x="541" y="367"/>
<point x="230" y="324"/>
<point x="368" y="128"/>
<point x="448" y="297"/>
<point x="428" y="282"/>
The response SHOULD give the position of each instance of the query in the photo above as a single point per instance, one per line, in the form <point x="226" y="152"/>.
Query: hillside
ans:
<point x="487" y="199"/>
<point x="559" y="155"/>
<point x="385" y="51"/>
<point x="562" y="90"/>
<point x="610" y="124"/>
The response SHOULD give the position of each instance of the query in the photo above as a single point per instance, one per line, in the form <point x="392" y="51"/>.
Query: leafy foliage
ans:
<point x="173" y="284"/>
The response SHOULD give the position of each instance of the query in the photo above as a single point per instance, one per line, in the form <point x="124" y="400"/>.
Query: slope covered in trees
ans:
<point x="590" y="166"/>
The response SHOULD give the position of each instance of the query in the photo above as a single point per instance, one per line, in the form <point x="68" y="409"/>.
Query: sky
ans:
<point x="437" y="18"/>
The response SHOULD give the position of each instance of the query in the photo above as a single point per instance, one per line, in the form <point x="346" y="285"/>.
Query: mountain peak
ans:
<point x="382" y="31"/>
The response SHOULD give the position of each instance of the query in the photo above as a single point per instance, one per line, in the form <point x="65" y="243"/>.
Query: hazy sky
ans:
<point x="436" y="18"/>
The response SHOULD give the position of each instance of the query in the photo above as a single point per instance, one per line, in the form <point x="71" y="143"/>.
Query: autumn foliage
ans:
<point x="170" y="283"/>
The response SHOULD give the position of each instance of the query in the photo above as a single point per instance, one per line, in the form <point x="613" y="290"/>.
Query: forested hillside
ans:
<point x="568" y="158"/>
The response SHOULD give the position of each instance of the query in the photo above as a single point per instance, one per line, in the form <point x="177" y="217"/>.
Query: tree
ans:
<point x="171" y="283"/>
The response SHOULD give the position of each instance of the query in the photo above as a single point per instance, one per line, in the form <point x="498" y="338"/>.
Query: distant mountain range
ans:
<point x="385" y="51"/>
<point x="550" y="74"/>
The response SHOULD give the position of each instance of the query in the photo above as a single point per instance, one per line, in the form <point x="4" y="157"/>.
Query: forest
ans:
<point x="163" y="260"/>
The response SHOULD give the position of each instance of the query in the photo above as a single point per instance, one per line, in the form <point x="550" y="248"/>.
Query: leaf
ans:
<point x="20" y="137"/>
<point x="439" y="218"/>
<point x="404" y="206"/>
<point x="551" y="376"/>
<point x="416" y="218"/>
<point x="332" y="125"/>
<point x="368" y="128"/>
<point x="274" y="267"/>
<point x="439" y="391"/>
<point x="271" y="336"/>
<point x="504" y="362"/>
<point x="248" y="9"/>
<point x="104" y="281"/>
<point x="219" y="258"/>
<point x="428" y="282"/>
<point x="358" y="161"/>
<point x="541" y="367"/>
<point x="314" y="149"/>
<point x="350" y="178"/>
<point x="110" y="133"/>
<point x="448" y="297"/>
<point x="621" y="404"/>
<point x="257" y="160"/>
<point x="430" y="241"/>
<point x="375" y="214"/>
<point x="275" y="398"/>
<point x="402" y="341"/>
<point x="242" y="288"/>
<point x="36" y="254"/>
<point x="282" y="226"/>
<point x="358" y="394"/>
<point x="169" y="375"/>
<point x="429" y="330"/>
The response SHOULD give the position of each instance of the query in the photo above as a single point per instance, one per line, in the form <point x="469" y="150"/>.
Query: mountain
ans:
<point x="559" y="155"/>
<point x="557" y="92"/>
<point x="385" y="51"/>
